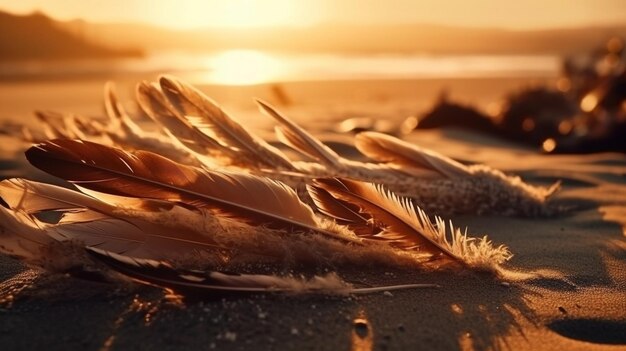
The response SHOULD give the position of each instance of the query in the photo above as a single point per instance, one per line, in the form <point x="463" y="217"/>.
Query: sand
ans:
<point x="583" y="309"/>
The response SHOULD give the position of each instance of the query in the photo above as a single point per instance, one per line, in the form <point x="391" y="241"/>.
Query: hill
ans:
<point x="404" y="38"/>
<point x="38" y="37"/>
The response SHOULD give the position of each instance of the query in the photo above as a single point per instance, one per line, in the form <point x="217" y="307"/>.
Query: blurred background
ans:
<point x="546" y="74"/>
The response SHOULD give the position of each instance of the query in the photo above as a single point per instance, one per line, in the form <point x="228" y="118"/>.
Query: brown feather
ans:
<point x="243" y="197"/>
<point x="33" y="197"/>
<point x="164" y="274"/>
<point x="402" y="226"/>
<point x="53" y="124"/>
<point x="385" y="148"/>
<point x="299" y="139"/>
<point x="155" y="105"/>
<point x="116" y="112"/>
<point x="96" y="223"/>
<point x="209" y="118"/>
<point x="343" y="212"/>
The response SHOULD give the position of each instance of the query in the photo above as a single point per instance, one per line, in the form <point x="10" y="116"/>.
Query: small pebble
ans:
<point x="388" y="293"/>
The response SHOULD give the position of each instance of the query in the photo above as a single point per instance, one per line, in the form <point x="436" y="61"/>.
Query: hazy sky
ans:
<point x="523" y="14"/>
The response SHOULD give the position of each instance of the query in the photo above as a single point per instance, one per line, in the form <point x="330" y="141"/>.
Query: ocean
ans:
<point x="250" y="67"/>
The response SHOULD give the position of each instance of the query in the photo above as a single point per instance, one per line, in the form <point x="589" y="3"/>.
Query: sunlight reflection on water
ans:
<point x="249" y="67"/>
<point x="243" y="67"/>
<point x="246" y="67"/>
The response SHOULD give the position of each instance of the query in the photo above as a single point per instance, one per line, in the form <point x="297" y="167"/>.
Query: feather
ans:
<point x="25" y="134"/>
<point x="402" y="229"/>
<point x="20" y="236"/>
<point x="299" y="139"/>
<point x="95" y="223"/>
<point x="209" y="118"/>
<point x="409" y="227"/>
<point x="243" y="197"/>
<point x="132" y="136"/>
<point x="75" y="126"/>
<point x="24" y="236"/>
<point x="68" y="126"/>
<point x="163" y="274"/>
<point x="33" y="197"/>
<point x="154" y="104"/>
<point x="162" y="146"/>
<point x="53" y="125"/>
<point x="86" y="125"/>
<point x="345" y="213"/>
<point x="175" y="126"/>
<point x="385" y="148"/>
<point x="117" y="114"/>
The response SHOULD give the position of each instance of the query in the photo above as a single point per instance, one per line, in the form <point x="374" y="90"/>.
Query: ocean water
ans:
<point x="249" y="67"/>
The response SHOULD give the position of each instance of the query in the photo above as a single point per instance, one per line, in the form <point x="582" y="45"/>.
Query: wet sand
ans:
<point x="583" y="310"/>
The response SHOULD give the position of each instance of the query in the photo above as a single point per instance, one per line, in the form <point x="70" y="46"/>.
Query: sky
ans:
<point x="186" y="14"/>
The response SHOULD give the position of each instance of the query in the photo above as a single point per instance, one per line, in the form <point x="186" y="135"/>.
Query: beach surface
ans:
<point x="580" y="304"/>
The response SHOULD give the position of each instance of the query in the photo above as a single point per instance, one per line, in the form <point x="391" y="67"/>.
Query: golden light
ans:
<point x="548" y="145"/>
<point x="589" y="102"/>
<point x="237" y="14"/>
<point x="243" y="67"/>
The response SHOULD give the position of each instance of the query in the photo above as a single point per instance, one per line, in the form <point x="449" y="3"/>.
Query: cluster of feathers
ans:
<point x="203" y="197"/>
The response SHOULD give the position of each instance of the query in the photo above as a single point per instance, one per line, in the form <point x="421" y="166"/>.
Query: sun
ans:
<point x="244" y="67"/>
<point x="240" y="14"/>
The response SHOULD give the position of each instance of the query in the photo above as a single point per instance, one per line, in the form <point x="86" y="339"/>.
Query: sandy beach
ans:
<point x="583" y="307"/>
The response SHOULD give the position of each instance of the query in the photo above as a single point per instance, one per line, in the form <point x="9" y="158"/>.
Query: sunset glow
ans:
<point x="243" y="67"/>
<point x="183" y="14"/>
<point x="186" y="14"/>
<point x="234" y="13"/>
